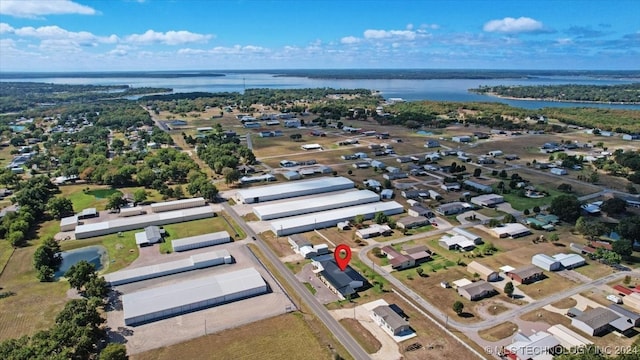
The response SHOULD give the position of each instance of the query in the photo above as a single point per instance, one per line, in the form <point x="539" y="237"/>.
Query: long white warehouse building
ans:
<point x="323" y="219"/>
<point x="141" y="221"/>
<point x="194" y="262"/>
<point x="293" y="189"/>
<point x="320" y="203"/>
<point x="200" y="241"/>
<point x="187" y="296"/>
<point x="177" y="204"/>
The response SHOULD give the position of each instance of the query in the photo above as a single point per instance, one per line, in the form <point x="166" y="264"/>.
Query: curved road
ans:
<point x="302" y="293"/>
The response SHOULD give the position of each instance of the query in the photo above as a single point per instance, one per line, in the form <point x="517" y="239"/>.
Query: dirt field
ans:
<point x="369" y="342"/>
<point x="285" y="336"/>
<point x="499" y="332"/>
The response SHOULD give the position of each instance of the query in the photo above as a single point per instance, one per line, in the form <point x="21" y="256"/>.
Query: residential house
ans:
<point x="487" y="200"/>
<point x="599" y="321"/>
<point x="417" y="210"/>
<point x="373" y="231"/>
<point x="432" y="144"/>
<point x="343" y="283"/>
<point x="632" y="317"/>
<point x="410" y="222"/>
<point x="512" y="230"/>
<point x="397" y="260"/>
<point x="485" y="273"/>
<point x="478" y="187"/>
<point x="456" y="242"/>
<point x="390" y="321"/>
<point x="419" y="253"/>
<point x="461" y="139"/>
<point x="477" y="290"/>
<point x="525" y="275"/>
<point x="452" y="208"/>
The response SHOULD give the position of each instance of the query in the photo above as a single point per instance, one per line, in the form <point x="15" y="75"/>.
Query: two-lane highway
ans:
<point x="302" y="293"/>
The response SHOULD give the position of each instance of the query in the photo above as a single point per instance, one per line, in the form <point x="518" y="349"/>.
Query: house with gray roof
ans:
<point x="477" y="290"/>
<point x="390" y="321"/>
<point x="632" y="317"/>
<point x="598" y="321"/>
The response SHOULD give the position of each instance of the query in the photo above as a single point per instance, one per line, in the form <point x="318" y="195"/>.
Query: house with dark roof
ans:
<point x="451" y="208"/>
<point x="343" y="283"/>
<point x="418" y="210"/>
<point x="397" y="260"/>
<point x="410" y="222"/>
<point x="477" y="290"/>
<point x="419" y="253"/>
<point x="390" y="321"/>
<point x="526" y="275"/>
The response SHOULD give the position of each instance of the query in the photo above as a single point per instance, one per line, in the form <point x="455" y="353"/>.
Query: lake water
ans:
<point x="410" y="90"/>
<point x="96" y="255"/>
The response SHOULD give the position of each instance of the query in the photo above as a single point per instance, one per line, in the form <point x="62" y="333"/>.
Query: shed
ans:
<point x="151" y="235"/>
<point x="88" y="213"/>
<point x="546" y="262"/>
<point x="525" y="275"/>
<point x="558" y="171"/>
<point x="68" y="223"/>
<point x="485" y="272"/>
<point x="386" y="194"/>
<point x="292" y="175"/>
<point x="390" y="321"/>
<point x="477" y="290"/>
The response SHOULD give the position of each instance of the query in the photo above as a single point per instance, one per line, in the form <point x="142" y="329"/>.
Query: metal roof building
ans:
<point x="546" y="262"/>
<point x="320" y="203"/>
<point x="288" y="190"/>
<point x="177" y="204"/>
<point x="198" y="261"/>
<point x="68" y="223"/>
<point x="192" y="295"/>
<point x="324" y="219"/>
<point x="568" y="338"/>
<point x="200" y="241"/>
<point x="138" y="222"/>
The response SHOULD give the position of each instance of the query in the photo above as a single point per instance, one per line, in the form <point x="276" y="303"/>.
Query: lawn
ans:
<point x="310" y="287"/>
<point x="285" y="336"/>
<point x="81" y="199"/>
<point x="498" y="332"/>
<point x="547" y="317"/>
<point x="199" y="227"/>
<point x="553" y="284"/>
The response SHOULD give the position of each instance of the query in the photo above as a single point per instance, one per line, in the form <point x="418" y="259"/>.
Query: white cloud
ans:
<point x="31" y="9"/>
<point x="350" y="40"/>
<point x="58" y="33"/>
<point x="429" y="26"/>
<point x="564" y="41"/>
<point x="512" y="25"/>
<point x="409" y="26"/>
<point x="225" y="50"/>
<point x="6" y="28"/>
<point x="388" y="34"/>
<point x="168" y="38"/>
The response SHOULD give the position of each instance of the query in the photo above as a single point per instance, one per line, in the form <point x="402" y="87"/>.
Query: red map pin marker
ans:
<point x="341" y="260"/>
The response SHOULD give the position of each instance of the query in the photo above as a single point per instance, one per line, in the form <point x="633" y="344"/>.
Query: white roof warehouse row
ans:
<point x="319" y="203"/>
<point x="293" y="189"/>
<point x="198" y="261"/>
<point x="323" y="219"/>
<point x="187" y="296"/>
<point x="177" y="204"/>
<point x="200" y="241"/>
<point x="138" y="222"/>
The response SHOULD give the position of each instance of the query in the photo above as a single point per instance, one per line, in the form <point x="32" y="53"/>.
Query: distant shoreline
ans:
<point x="557" y="100"/>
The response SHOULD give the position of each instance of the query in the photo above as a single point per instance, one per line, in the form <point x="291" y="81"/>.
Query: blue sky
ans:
<point x="83" y="35"/>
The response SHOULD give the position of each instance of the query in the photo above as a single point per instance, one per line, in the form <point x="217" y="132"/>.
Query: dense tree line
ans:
<point x="625" y="93"/>
<point x="20" y="96"/>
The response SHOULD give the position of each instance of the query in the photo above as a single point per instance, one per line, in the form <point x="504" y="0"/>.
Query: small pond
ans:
<point x="96" y="254"/>
<point x="422" y="132"/>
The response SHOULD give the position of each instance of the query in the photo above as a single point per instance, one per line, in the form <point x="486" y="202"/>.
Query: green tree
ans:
<point x="358" y="219"/>
<point x="114" y="351"/>
<point x="458" y="307"/>
<point x="566" y="207"/>
<point x="526" y="212"/>
<point x="17" y="239"/>
<point x="79" y="274"/>
<point x="60" y="207"/>
<point x="178" y="192"/>
<point x="494" y="223"/>
<point x="380" y="218"/>
<point x="591" y="229"/>
<point x="536" y="209"/>
<point x="420" y="271"/>
<point x="231" y="176"/>
<point x="139" y="196"/>
<point x="629" y="227"/>
<point x="554" y="237"/>
<point x="509" y="218"/>
<point x="509" y="289"/>
<point x="96" y="287"/>
<point x="614" y="206"/>
<point x="477" y="172"/>
<point x="115" y="202"/>
<point x="622" y="247"/>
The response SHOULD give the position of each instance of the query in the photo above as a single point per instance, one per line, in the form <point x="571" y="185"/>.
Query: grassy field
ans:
<point x="122" y="249"/>
<point x="283" y="337"/>
<point x="548" y="317"/>
<point x="198" y="227"/>
<point x="368" y="342"/>
<point x="499" y="332"/>
<point x="35" y="304"/>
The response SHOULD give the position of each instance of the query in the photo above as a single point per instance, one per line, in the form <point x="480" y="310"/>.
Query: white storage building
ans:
<point x="546" y="262"/>
<point x="324" y="219"/>
<point x="177" y="204"/>
<point x="568" y="338"/>
<point x="469" y="235"/>
<point x="200" y="241"/>
<point x="68" y="223"/>
<point x="131" y="211"/>
<point x="288" y="190"/>
<point x="320" y="203"/>
<point x="192" y="295"/>
<point x="138" y="222"/>
<point x="197" y="261"/>
<point x="570" y="261"/>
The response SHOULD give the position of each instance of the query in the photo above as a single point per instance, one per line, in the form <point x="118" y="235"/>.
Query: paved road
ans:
<point x="302" y="293"/>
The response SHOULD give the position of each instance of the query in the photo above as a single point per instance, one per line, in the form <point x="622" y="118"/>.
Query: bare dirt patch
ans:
<point x="565" y="303"/>
<point x="498" y="332"/>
